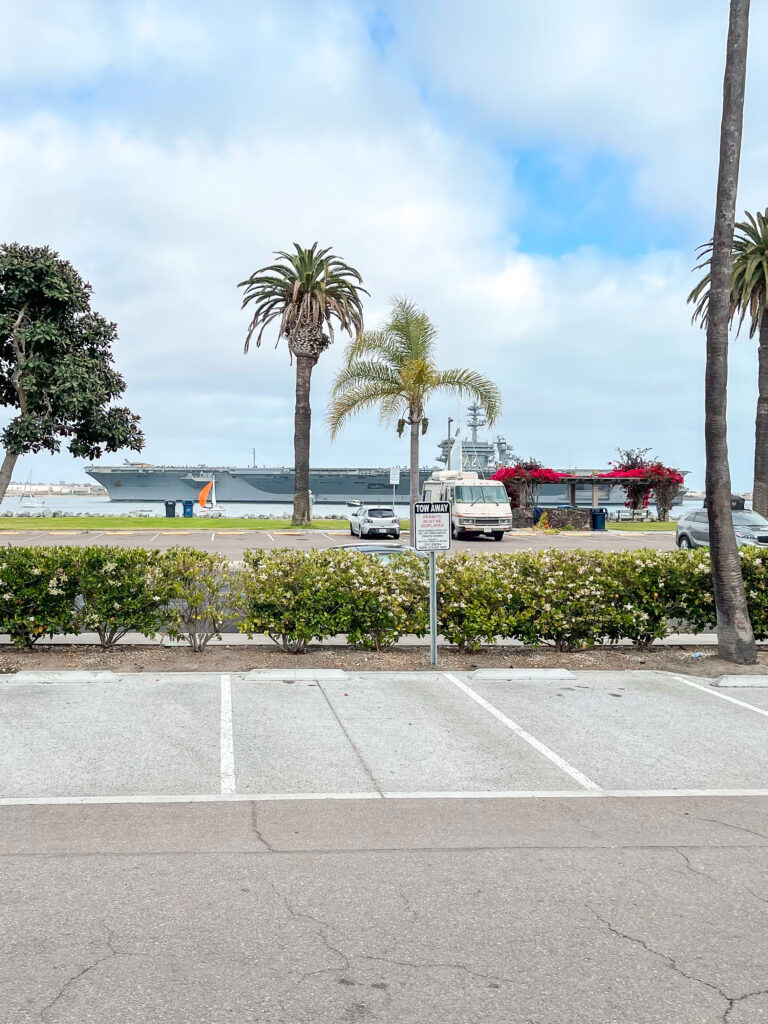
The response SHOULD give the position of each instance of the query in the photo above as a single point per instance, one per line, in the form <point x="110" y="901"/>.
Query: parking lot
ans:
<point x="374" y="735"/>
<point x="234" y="542"/>
<point x="296" y="846"/>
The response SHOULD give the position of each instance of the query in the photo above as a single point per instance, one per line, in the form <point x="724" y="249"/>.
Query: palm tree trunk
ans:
<point x="302" y="422"/>
<point x="760" y="484"/>
<point x="736" y="641"/>
<point x="414" y="481"/>
<point x="6" y="472"/>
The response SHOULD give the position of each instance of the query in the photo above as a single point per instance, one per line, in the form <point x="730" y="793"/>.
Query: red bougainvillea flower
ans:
<point x="539" y="476"/>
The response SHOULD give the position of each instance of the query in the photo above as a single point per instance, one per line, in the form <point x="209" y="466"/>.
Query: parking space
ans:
<point x="128" y="735"/>
<point x="327" y="735"/>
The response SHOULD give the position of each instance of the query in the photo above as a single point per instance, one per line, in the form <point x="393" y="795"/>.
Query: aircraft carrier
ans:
<point x="137" y="481"/>
<point x="143" y="482"/>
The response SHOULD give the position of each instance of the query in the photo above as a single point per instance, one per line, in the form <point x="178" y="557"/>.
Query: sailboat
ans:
<point x="28" y="500"/>
<point x="212" y="511"/>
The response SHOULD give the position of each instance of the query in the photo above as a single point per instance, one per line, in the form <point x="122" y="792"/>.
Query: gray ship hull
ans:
<point x="233" y="484"/>
<point x="331" y="486"/>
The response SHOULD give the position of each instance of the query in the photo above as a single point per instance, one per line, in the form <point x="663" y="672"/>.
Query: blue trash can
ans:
<point x="599" y="518"/>
<point x="170" y="510"/>
<point x="189" y="504"/>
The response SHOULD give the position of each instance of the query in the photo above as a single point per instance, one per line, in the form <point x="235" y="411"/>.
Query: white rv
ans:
<point x="477" y="506"/>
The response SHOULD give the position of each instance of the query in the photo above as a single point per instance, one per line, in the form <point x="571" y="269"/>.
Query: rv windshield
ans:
<point x="481" y="492"/>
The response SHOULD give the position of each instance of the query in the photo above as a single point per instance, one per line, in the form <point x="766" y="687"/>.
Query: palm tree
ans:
<point x="749" y="292"/>
<point x="394" y="368"/>
<point x="305" y="291"/>
<point x="735" y="638"/>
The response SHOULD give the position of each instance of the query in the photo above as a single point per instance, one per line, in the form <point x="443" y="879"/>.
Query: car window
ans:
<point x="481" y="492"/>
<point x="381" y="513"/>
<point x="701" y="517"/>
<point x="748" y="518"/>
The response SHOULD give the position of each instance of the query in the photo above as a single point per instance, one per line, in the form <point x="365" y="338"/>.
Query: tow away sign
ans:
<point x="432" y="526"/>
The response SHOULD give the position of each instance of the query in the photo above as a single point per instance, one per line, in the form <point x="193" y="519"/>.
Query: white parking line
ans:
<point x="523" y="794"/>
<point x="722" y="696"/>
<point x="574" y="773"/>
<point x="227" y="742"/>
<point x="271" y="537"/>
<point x="154" y="538"/>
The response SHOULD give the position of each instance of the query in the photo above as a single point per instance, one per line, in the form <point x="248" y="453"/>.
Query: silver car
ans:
<point x="374" y="521"/>
<point x="693" y="529"/>
<point x="384" y="552"/>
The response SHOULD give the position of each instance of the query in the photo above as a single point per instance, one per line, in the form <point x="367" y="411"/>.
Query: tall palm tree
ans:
<point x="305" y="291"/>
<point x="394" y="368"/>
<point x="749" y="295"/>
<point x="735" y="638"/>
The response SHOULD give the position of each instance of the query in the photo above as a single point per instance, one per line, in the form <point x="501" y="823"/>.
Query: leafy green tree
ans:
<point x="749" y="297"/>
<point x="56" y="363"/>
<point x="394" y="368"/>
<point x="305" y="291"/>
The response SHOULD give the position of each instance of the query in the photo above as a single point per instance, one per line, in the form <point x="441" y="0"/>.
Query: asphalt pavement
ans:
<point x="234" y="542"/>
<point x="282" y="846"/>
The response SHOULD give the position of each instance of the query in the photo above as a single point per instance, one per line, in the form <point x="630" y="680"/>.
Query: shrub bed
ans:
<point x="566" y="599"/>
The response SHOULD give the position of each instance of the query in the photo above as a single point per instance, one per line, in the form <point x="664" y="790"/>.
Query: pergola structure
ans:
<point x="574" y="480"/>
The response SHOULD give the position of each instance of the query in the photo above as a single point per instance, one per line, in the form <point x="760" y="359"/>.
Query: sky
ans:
<point x="535" y="176"/>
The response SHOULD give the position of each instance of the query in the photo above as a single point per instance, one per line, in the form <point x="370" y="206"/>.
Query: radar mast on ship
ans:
<point x="480" y="456"/>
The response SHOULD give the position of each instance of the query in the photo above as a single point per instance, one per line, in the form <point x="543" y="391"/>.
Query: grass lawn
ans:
<point x="643" y="527"/>
<point x="98" y="523"/>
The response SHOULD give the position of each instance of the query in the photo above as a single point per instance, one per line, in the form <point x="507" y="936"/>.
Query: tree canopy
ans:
<point x="56" y="367"/>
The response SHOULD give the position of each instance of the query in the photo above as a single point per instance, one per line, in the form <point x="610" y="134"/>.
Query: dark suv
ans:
<point x="693" y="529"/>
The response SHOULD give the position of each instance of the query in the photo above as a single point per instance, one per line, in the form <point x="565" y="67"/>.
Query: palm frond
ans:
<point x="357" y="398"/>
<point x="304" y="286"/>
<point x="475" y="385"/>
<point x="749" y="274"/>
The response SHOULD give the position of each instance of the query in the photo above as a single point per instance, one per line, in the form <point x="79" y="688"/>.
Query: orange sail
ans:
<point x="203" y="496"/>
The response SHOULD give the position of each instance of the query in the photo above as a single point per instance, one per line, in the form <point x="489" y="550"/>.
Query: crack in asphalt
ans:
<point x="438" y="964"/>
<point x="762" y="899"/>
<point x="322" y="933"/>
<point x="671" y="962"/>
<point x="738" y="828"/>
<point x="692" y="869"/>
<point x="256" y="829"/>
<point x="358" y="754"/>
<point x="109" y="943"/>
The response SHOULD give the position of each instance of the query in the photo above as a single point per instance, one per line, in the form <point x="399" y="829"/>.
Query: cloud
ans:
<point x="643" y="81"/>
<point x="168" y="148"/>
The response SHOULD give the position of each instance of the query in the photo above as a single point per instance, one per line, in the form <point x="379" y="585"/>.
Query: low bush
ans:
<point x="382" y="602"/>
<point x="295" y="597"/>
<point x="568" y="599"/>
<point x="122" y="590"/>
<point x="559" y="598"/>
<point x="204" y="595"/>
<point x="292" y="596"/>
<point x="38" y="593"/>
<point x="475" y="597"/>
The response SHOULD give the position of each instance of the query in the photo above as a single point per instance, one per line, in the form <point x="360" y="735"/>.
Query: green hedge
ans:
<point x="566" y="599"/>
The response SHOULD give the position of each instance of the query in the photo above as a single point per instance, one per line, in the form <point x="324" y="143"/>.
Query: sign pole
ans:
<point x="431" y="532"/>
<point x="432" y="609"/>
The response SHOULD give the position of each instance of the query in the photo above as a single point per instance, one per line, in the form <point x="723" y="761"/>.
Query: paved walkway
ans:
<point x="425" y="847"/>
